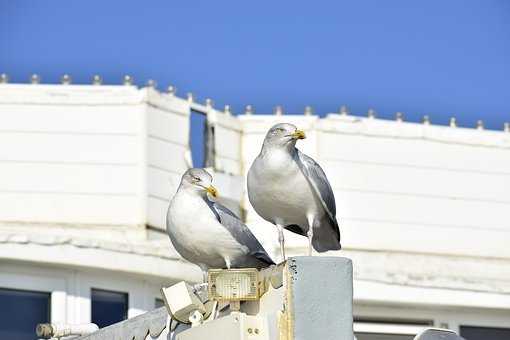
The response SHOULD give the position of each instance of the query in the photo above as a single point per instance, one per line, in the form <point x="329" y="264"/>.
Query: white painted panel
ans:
<point x="69" y="148"/>
<point x="156" y="212"/>
<point x="66" y="208"/>
<point x="227" y="165"/>
<point x="71" y="118"/>
<point x="168" y="125"/>
<point x="166" y="101"/>
<point x="68" y="178"/>
<point x="424" y="238"/>
<point x="413" y="152"/>
<point x="228" y="142"/>
<point x="417" y="180"/>
<point x="410" y="209"/>
<point x="165" y="155"/>
<point x="162" y="183"/>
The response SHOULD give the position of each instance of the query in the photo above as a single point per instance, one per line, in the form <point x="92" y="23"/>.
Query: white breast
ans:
<point x="196" y="233"/>
<point x="278" y="190"/>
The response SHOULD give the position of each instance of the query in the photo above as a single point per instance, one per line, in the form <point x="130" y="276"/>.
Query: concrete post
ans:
<point x="318" y="303"/>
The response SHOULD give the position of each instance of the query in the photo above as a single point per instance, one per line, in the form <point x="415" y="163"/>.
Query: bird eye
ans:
<point x="195" y="179"/>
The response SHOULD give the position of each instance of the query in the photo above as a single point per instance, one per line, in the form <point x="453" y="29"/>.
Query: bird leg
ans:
<point x="281" y="239"/>
<point x="204" y="272"/>
<point x="310" y="235"/>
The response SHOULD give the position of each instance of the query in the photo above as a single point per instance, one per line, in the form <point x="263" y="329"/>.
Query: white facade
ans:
<point x="87" y="171"/>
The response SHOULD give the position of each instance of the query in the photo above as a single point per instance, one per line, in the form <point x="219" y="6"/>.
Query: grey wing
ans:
<point x="317" y="178"/>
<point x="240" y="232"/>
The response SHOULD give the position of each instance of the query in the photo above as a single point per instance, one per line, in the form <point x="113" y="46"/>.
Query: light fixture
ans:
<point x="234" y="284"/>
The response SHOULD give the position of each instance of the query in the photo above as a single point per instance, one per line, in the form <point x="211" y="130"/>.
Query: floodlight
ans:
<point x="234" y="284"/>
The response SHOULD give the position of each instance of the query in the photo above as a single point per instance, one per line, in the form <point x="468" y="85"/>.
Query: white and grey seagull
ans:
<point x="289" y="189"/>
<point x="208" y="234"/>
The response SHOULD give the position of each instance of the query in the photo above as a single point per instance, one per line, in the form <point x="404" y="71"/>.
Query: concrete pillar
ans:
<point x="318" y="302"/>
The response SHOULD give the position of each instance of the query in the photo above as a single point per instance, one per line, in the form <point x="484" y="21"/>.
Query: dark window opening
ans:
<point x="198" y="131"/>
<point x="108" y="307"/>
<point x="21" y="311"/>
<point x="364" y="335"/>
<point x="484" y="333"/>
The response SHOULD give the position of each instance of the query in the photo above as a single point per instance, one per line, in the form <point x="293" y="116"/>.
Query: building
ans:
<point x="87" y="172"/>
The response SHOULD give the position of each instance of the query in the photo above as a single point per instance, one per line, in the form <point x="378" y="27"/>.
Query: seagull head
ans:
<point x="199" y="181"/>
<point x="283" y="135"/>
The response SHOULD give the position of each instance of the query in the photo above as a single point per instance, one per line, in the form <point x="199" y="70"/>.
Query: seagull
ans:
<point x="208" y="234"/>
<point x="289" y="189"/>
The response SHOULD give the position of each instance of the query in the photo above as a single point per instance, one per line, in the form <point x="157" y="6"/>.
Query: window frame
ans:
<point x="55" y="285"/>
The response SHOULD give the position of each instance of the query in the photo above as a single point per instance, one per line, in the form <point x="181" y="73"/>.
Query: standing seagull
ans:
<point x="208" y="234"/>
<point x="290" y="190"/>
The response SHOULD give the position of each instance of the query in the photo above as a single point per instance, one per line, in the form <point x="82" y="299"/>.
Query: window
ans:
<point x="198" y="137"/>
<point x="484" y="333"/>
<point x="21" y="311"/>
<point x="108" y="307"/>
<point x="377" y="329"/>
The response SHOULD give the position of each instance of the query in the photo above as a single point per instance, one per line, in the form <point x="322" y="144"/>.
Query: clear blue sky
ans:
<point x="439" y="58"/>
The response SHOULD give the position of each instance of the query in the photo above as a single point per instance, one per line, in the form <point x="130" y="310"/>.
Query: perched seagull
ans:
<point x="207" y="233"/>
<point x="289" y="189"/>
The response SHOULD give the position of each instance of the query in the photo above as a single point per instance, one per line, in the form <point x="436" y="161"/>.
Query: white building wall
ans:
<point x="70" y="156"/>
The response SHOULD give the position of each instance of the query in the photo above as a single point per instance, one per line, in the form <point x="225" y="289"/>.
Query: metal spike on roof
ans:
<point x="4" y="78"/>
<point x="35" y="79"/>
<point x="308" y="110"/>
<point x="426" y="120"/>
<point x="97" y="80"/>
<point x="249" y="110"/>
<point x="227" y="110"/>
<point x="344" y="110"/>
<point x="151" y="83"/>
<point x="127" y="80"/>
<point x="172" y="90"/>
<point x="278" y="110"/>
<point x="371" y="113"/>
<point x="453" y="122"/>
<point x="66" y="79"/>
<point x="399" y="117"/>
<point x="479" y="124"/>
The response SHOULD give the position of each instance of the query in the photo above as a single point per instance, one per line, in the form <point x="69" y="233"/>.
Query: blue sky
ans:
<point x="440" y="58"/>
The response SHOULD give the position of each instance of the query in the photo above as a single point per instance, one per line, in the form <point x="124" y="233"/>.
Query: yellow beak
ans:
<point x="212" y="191"/>
<point x="298" y="134"/>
